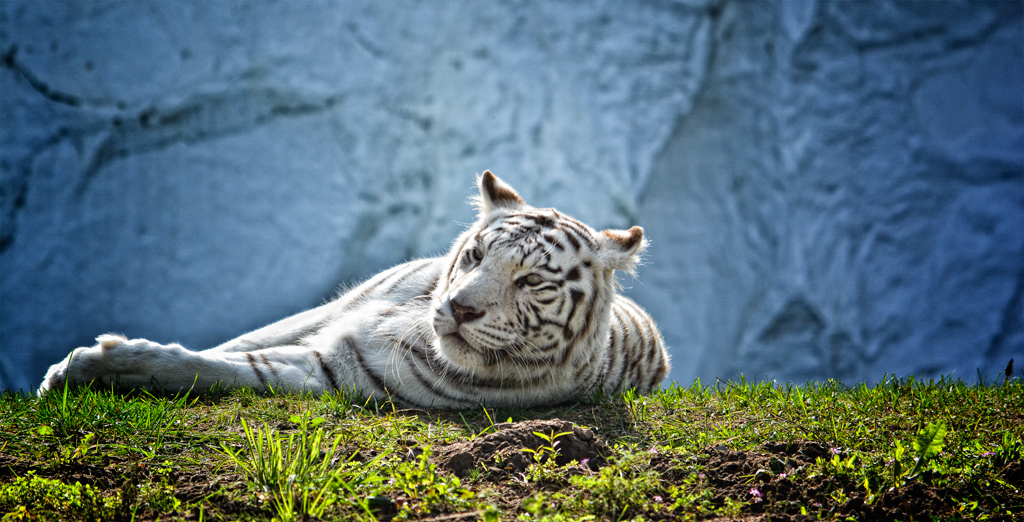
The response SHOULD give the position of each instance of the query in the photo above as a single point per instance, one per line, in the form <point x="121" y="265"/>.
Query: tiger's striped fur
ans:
<point x="522" y="311"/>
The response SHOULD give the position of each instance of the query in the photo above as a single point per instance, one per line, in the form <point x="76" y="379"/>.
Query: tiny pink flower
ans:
<point x="653" y="450"/>
<point x="835" y="451"/>
<point x="756" y="494"/>
<point x="657" y="498"/>
<point x="584" y="462"/>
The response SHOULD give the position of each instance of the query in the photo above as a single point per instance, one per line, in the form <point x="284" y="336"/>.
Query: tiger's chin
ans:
<point x="459" y="351"/>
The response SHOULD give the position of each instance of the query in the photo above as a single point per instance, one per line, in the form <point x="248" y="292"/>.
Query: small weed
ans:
<point x="636" y="405"/>
<point x="545" y="452"/>
<point x="426" y="489"/>
<point x="297" y="472"/>
<point x="928" y="444"/>
<point x="31" y="497"/>
<point x="624" y="488"/>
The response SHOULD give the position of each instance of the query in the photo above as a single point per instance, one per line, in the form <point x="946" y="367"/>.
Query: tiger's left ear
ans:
<point x="620" y="249"/>
<point x="495" y="194"/>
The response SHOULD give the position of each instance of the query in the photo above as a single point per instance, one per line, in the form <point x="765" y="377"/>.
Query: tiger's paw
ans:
<point x="112" y="356"/>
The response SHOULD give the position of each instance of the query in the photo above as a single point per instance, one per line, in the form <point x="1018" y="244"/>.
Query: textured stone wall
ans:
<point x="831" y="189"/>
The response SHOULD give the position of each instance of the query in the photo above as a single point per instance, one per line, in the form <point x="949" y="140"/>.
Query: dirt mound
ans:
<point x="727" y="467"/>
<point x="502" y="452"/>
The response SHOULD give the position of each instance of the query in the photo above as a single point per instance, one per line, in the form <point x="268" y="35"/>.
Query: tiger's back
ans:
<point x="523" y="310"/>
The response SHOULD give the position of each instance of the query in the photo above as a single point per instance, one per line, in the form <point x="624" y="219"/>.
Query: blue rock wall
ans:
<point x="832" y="189"/>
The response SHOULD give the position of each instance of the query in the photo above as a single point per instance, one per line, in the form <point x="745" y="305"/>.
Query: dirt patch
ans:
<point x="223" y="493"/>
<point x="769" y="481"/>
<point x="501" y="453"/>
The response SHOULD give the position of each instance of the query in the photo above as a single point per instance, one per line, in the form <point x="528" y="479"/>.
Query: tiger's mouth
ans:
<point x="456" y="349"/>
<point x="455" y="339"/>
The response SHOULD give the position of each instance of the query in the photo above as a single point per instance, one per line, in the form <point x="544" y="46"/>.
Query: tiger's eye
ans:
<point x="534" y="279"/>
<point x="473" y="256"/>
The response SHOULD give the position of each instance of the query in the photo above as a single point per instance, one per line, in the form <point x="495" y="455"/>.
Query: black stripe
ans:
<point x="586" y="375"/>
<point x="650" y="351"/>
<point x="454" y="375"/>
<point x="561" y="306"/>
<point x="363" y="294"/>
<point x="455" y="262"/>
<point x="548" y="347"/>
<point x="635" y="366"/>
<point x="553" y="241"/>
<point x="423" y="354"/>
<point x="494" y="357"/>
<point x="433" y="286"/>
<point x="636" y="349"/>
<point x="420" y="353"/>
<point x="543" y="220"/>
<point x="588" y="318"/>
<point x="377" y="380"/>
<point x="612" y="349"/>
<point x="573" y="274"/>
<point x="273" y="370"/>
<point x="649" y="358"/>
<point x="580" y="229"/>
<point x="576" y="295"/>
<point x="400" y="274"/>
<point x="572" y="240"/>
<point x="259" y="374"/>
<point x="485" y="333"/>
<point x="401" y="279"/>
<point x="326" y="370"/>
<point x="621" y="352"/>
<point x="583" y="335"/>
<point x="431" y="386"/>
<point x="656" y="376"/>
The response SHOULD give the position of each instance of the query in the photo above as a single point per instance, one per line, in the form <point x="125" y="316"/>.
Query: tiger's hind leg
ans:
<point x="140" y="363"/>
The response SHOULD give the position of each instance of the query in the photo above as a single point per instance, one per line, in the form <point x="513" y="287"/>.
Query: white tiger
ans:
<point x="522" y="311"/>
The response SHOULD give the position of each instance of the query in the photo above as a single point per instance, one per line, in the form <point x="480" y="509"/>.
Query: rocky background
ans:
<point x="831" y="189"/>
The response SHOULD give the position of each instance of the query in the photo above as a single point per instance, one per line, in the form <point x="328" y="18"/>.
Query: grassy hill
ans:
<point x="900" y="449"/>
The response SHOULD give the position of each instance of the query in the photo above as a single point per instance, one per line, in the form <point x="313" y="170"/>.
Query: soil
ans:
<point x="501" y="453"/>
<point x="727" y="473"/>
<point x="219" y="492"/>
<point x="736" y="474"/>
<point x="499" y="457"/>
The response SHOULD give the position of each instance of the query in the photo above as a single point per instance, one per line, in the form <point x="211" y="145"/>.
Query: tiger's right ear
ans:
<point x="496" y="194"/>
<point x="621" y="249"/>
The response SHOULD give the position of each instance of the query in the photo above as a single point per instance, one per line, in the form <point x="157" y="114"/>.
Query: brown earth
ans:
<point x="776" y="470"/>
<point x="501" y="453"/>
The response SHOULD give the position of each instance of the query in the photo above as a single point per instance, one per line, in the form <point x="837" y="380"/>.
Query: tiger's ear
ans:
<point x="620" y="249"/>
<point x="496" y="194"/>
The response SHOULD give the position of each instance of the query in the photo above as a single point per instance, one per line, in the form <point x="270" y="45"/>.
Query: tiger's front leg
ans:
<point x="140" y="363"/>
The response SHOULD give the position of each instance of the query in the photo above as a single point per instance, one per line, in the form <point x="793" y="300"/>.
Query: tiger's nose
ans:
<point x="465" y="314"/>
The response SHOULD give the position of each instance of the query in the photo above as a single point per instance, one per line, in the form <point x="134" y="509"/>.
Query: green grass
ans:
<point x="901" y="448"/>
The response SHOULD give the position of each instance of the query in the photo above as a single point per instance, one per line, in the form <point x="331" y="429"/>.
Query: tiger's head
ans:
<point x="527" y="290"/>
